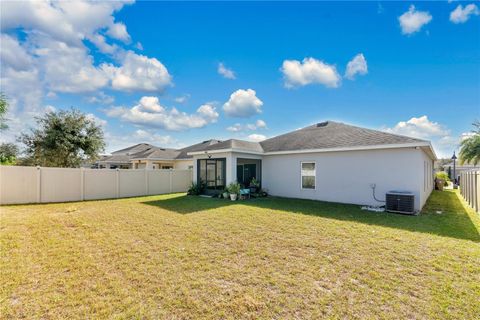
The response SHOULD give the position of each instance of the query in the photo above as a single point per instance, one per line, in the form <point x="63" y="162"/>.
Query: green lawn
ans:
<point x="181" y="257"/>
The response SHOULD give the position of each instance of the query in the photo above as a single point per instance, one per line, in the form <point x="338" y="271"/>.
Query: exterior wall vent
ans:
<point x="322" y="124"/>
<point x="400" y="202"/>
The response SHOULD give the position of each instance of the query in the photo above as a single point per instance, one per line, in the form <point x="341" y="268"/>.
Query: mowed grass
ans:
<point x="181" y="257"/>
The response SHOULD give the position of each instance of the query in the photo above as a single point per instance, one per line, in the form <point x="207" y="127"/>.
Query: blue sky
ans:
<point x="173" y="74"/>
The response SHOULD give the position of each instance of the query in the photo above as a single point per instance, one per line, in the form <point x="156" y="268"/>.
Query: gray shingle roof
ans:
<point x="116" y="158"/>
<point x="332" y="134"/>
<point x="134" y="149"/>
<point x="325" y="135"/>
<point x="157" y="153"/>
<point x="196" y="147"/>
<point x="236" y="144"/>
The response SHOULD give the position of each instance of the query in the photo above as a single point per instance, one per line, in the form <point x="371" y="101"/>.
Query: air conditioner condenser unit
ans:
<point x="400" y="202"/>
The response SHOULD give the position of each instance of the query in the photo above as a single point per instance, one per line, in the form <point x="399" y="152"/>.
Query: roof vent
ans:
<point x="322" y="124"/>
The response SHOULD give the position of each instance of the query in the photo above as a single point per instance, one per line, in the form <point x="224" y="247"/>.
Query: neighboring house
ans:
<point x="327" y="161"/>
<point x="147" y="156"/>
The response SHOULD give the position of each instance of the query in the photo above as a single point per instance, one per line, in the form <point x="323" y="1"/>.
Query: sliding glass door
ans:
<point x="212" y="172"/>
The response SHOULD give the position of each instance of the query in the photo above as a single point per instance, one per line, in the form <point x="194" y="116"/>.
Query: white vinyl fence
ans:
<point x="40" y="184"/>
<point x="470" y="188"/>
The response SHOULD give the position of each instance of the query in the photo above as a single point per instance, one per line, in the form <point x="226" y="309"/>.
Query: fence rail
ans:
<point x="470" y="188"/>
<point x="41" y="185"/>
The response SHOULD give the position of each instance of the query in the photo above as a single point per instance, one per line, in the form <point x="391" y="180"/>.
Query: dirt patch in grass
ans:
<point x="181" y="257"/>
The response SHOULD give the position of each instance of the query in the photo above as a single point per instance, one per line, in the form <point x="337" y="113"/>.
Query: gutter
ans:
<point x="357" y="148"/>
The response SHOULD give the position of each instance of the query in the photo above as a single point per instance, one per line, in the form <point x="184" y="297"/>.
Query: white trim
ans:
<point x="355" y="148"/>
<point x="205" y="152"/>
<point x="338" y="149"/>
<point x="314" y="176"/>
<point x="152" y="159"/>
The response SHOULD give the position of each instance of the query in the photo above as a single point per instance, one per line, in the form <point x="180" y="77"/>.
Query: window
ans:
<point x="308" y="175"/>
<point x="212" y="172"/>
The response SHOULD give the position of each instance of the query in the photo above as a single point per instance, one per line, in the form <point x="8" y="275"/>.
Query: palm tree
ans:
<point x="470" y="147"/>
<point x="3" y="111"/>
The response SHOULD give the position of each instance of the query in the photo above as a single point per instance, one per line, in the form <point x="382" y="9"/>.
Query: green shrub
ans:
<point x="234" y="188"/>
<point x="255" y="183"/>
<point x="443" y="176"/>
<point x="196" y="188"/>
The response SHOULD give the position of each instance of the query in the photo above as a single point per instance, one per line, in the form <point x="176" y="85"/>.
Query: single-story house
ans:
<point x="147" y="156"/>
<point x="328" y="161"/>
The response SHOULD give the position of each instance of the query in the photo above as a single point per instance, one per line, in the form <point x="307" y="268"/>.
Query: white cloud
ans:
<point x="358" y="65"/>
<point x="441" y="137"/>
<point x="256" y="137"/>
<point x="413" y="20"/>
<point x="119" y="31"/>
<point x="237" y="127"/>
<point x="225" y="72"/>
<point x="309" y="71"/>
<point x="99" y="121"/>
<point x="149" y="112"/>
<point x="101" y="43"/>
<point x="67" y="21"/>
<point x="461" y="14"/>
<point x="182" y="98"/>
<point x="420" y="127"/>
<point x="260" y="124"/>
<point x="208" y="113"/>
<point x="243" y="104"/>
<point x="67" y="68"/>
<point x="139" y="72"/>
<point x="53" y="57"/>
<point x="466" y="135"/>
<point x="101" y="98"/>
<point x="13" y="54"/>
<point x="19" y="75"/>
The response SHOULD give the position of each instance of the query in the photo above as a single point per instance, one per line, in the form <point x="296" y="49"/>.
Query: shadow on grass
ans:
<point x="453" y="221"/>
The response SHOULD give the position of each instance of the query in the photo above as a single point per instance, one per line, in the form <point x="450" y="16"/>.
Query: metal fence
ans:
<point x="470" y="188"/>
<point x="41" y="185"/>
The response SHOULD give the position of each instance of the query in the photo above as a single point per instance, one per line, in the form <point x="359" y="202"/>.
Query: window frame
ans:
<point x="314" y="176"/>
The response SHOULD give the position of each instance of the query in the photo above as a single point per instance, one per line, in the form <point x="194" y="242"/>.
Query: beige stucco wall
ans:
<point x="427" y="175"/>
<point x="345" y="177"/>
<point x="183" y="164"/>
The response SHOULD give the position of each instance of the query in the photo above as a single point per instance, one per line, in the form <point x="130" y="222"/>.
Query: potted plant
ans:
<point x="225" y="193"/>
<point x="234" y="190"/>
<point x="254" y="185"/>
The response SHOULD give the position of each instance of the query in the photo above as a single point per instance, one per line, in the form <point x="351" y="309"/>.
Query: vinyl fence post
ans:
<point x="471" y="189"/>
<point x="39" y="184"/>
<point x="82" y="184"/>
<point x="117" y="183"/>
<point x="146" y="181"/>
<point x="475" y="191"/>
<point x="170" y="180"/>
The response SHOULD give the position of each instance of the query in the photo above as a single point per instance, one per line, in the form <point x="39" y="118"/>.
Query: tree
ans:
<point x="470" y="147"/>
<point x="3" y="112"/>
<point x="8" y="153"/>
<point x="63" y="139"/>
